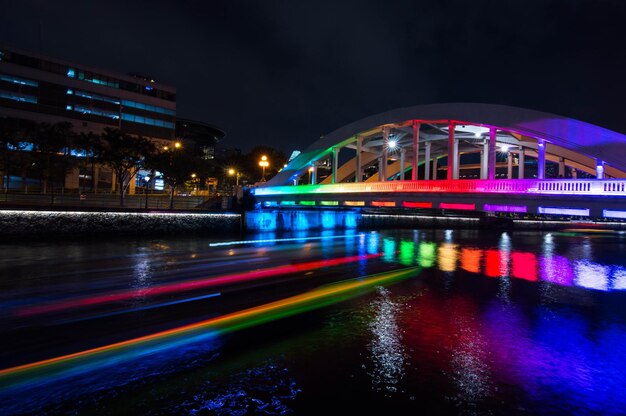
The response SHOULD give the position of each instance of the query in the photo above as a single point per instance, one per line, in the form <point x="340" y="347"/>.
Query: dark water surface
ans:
<point x="438" y="322"/>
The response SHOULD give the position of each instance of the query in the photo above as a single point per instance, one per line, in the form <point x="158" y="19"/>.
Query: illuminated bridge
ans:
<point x="467" y="157"/>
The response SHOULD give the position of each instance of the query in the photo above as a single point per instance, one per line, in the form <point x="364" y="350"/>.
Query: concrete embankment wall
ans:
<point x="17" y="223"/>
<point x="37" y="224"/>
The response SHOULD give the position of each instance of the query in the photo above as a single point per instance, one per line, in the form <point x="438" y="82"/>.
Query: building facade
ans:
<point x="44" y="89"/>
<point x="203" y="137"/>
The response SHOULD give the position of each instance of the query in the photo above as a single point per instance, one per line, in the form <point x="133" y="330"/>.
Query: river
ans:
<point x="394" y="321"/>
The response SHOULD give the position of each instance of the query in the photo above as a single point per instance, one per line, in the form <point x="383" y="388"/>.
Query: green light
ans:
<point x="426" y="255"/>
<point x="407" y="252"/>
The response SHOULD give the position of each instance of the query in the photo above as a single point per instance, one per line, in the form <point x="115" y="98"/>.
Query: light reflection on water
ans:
<point x="387" y="349"/>
<point x="527" y="323"/>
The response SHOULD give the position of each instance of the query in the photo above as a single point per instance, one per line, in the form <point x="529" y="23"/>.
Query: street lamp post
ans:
<point x="232" y="172"/>
<point x="264" y="163"/>
<point x="194" y="181"/>
<point x="145" y="190"/>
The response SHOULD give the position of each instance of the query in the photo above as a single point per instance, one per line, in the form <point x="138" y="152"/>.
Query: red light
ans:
<point x="492" y="263"/>
<point x="195" y="284"/>
<point x="412" y="204"/>
<point x="524" y="266"/>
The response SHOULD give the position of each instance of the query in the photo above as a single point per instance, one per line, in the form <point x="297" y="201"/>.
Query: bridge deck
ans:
<point x="574" y="197"/>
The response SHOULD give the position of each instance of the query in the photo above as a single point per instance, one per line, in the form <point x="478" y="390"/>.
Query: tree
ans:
<point x="15" y="135"/>
<point x="52" y="144"/>
<point x="89" y="143"/>
<point x="177" y="166"/>
<point x="124" y="154"/>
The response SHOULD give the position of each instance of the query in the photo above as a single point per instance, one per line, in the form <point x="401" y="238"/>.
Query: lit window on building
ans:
<point x="20" y="81"/>
<point x="18" y="97"/>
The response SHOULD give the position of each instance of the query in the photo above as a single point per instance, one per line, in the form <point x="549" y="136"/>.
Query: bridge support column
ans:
<point x="574" y="173"/>
<point x="484" y="160"/>
<point x="402" y="158"/>
<point x="434" y="168"/>
<point x="427" y="160"/>
<point x="416" y="150"/>
<point x="457" y="160"/>
<point x="358" y="170"/>
<point x="521" y="156"/>
<point x="492" y="153"/>
<point x="383" y="165"/>
<point x="541" y="159"/>
<point x="561" y="167"/>
<point x="509" y="165"/>
<point x="599" y="169"/>
<point x="451" y="152"/>
<point x="314" y="173"/>
<point x="335" y="163"/>
<point x="381" y="176"/>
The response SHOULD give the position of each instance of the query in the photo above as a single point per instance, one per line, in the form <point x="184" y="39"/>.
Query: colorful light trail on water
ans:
<point x="113" y="354"/>
<point x="279" y="240"/>
<point x="191" y="285"/>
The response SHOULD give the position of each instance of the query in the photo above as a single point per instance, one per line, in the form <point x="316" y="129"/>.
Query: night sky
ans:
<point x="282" y="73"/>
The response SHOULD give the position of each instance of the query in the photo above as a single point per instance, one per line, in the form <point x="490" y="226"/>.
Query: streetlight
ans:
<point x="195" y="182"/>
<point x="145" y="190"/>
<point x="264" y="163"/>
<point x="232" y="172"/>
<point x="177" y="145"/>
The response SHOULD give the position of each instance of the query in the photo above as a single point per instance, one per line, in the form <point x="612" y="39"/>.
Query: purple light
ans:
<point x="505" y="208"/>
<point x="609" y="213"/>
<point x="556" y="269"/>
<point x="563" y="211"/>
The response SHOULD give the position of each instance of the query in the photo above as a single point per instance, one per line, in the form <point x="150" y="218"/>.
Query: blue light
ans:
<point x="97" y="97"/>
<point x="147" y="120"/>
<point x="71" y="73"/>
<point x="329" y="219"/>
<point x="372" y="243"/>
<point x="97" y="112"/>
<point x="148" y="88"/>
<point x="18" y="97"/>
<point x="148" y="107"/>
<point x="19" y="81"/>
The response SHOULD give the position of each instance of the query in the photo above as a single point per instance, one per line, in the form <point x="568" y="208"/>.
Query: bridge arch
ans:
<point x="521" y="133"/>
<point x="446" y="156"/>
